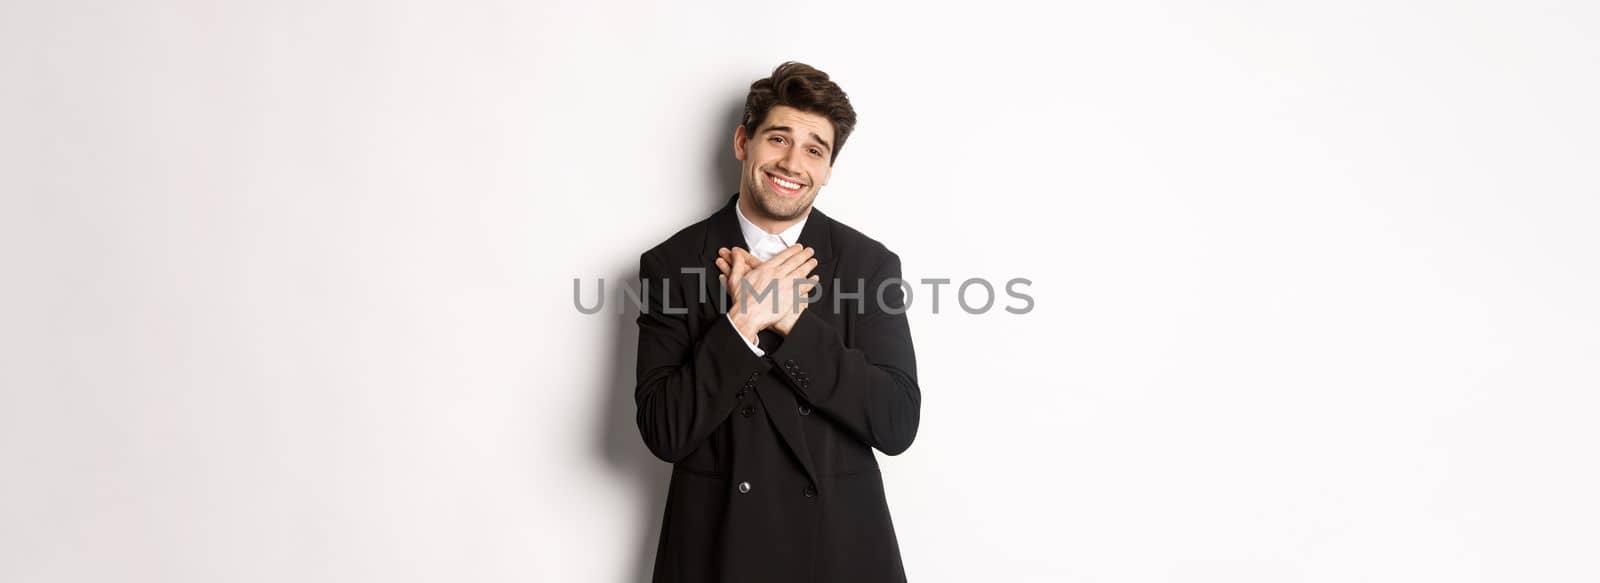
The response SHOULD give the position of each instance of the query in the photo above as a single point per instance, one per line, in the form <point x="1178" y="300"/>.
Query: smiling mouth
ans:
<point x="783" y="185"/>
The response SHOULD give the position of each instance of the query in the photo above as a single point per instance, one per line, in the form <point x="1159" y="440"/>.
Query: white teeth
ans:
<point x="784" y="183"/>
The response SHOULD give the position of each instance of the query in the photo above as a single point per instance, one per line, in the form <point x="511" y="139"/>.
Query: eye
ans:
<point x="776" y="139"/>
<point x="816" y="152"/>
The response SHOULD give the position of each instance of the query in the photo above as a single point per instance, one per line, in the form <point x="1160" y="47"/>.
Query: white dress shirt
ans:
<point x="764" y="245"/>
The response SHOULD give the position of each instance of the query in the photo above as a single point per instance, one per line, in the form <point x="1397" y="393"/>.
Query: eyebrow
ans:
<point x="788" y="129"/>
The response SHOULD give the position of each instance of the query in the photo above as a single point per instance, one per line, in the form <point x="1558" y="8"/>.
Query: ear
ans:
<point x="739" y="140"/>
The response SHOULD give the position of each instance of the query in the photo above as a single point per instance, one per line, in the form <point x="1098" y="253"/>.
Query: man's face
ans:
<point x="785" y="161"/>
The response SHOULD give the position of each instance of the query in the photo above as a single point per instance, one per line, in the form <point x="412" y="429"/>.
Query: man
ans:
<point x="768" y="402"/>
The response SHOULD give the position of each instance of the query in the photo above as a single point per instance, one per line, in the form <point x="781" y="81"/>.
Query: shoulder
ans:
<point x="859" y="250"/>
<point x="683" y="247"/>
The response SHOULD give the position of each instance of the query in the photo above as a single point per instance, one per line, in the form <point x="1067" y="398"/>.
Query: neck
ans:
<point x="766" y="223"/>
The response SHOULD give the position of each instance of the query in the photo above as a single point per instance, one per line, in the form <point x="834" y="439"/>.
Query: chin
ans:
<point x="777" y="200"/>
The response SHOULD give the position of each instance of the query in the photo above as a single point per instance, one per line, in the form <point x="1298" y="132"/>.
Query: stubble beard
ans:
<point x="775" y="211"/>
<point x="778" y="208"/>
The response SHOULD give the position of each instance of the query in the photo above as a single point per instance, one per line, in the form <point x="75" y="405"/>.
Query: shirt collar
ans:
<point x="753" y="234"/>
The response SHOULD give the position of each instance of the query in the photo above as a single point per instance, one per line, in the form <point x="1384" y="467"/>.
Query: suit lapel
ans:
<point x="818" y="235"/>
<point x="722" y="231"/>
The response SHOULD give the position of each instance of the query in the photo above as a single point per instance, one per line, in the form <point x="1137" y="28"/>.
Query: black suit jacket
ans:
<point x="774" y="479"/>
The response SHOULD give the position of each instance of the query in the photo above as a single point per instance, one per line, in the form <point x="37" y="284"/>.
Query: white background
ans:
<point x="287" y="286"/>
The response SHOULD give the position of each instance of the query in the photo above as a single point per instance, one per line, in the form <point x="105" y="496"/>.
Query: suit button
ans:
<point x="744" y="487"/>
<point x="805" y="410"/>
<point x="810" y="492"/>
<point x="747" y="411"/>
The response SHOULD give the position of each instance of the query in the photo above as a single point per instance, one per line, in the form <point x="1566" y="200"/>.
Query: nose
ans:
<point x="790" y="161"/>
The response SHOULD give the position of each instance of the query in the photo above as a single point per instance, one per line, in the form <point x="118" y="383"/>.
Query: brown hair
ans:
<point x="807" y="89"/>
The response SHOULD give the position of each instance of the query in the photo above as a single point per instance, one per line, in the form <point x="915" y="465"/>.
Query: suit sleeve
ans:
<point x="686" y="386"/>
<point x="871" y="388"/>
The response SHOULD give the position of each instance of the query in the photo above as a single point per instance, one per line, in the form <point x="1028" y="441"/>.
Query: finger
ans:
<point x="804" y="269"/>
<point x="785" y="254"/>
<point x="738" y="254"/>
<point x="743" y="258"/>
<point x="788" y="263"/>
<point x="812" y="283"/>
<point x="722" y="265"/>
<point x="738" y="270"/>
